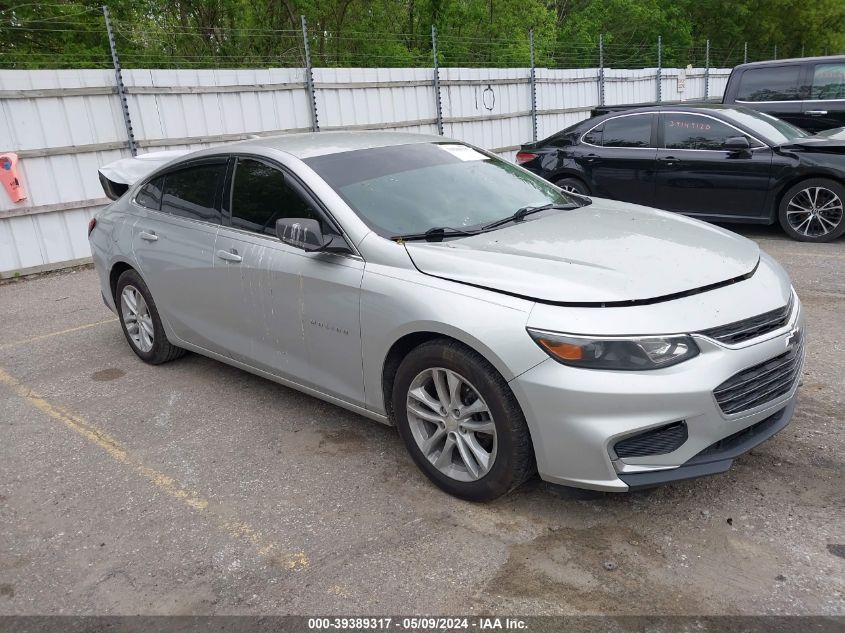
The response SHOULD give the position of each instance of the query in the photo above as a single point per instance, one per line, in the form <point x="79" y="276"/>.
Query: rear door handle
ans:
<point x="816" y="112"/>
<point x="150" y="237"/>
<point x="668" y="160"/>
<point x="230" y="256"/>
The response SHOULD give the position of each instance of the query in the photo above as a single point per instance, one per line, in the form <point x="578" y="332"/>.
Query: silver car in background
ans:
<point x="504" y="326"/>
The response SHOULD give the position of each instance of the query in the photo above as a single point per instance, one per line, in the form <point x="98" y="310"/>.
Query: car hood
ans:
<point x="605" y="253"/>
<point x="827" y="141"/>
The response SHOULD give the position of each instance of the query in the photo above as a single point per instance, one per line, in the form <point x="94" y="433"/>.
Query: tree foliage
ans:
<point x="397" y="33"/>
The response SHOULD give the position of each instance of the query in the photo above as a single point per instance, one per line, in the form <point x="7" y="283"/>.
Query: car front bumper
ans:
<point x="576" y="416"/>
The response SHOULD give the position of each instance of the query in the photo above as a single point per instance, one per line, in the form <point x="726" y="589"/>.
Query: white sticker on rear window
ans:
<point x="463" y="152"/>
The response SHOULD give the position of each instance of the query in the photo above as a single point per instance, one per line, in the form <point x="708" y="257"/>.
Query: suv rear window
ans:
<point x="828" y="82"/>
<point x="778" y="83"/>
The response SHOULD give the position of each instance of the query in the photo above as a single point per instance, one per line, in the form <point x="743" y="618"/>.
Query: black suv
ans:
<point x="808" y="92"/>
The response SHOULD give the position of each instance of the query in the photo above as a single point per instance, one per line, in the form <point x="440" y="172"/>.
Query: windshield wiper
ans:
<point x="434" y="234"/>
<point x="520" y="214"/>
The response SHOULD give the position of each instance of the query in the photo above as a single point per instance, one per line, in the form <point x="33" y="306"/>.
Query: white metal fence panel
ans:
<point x="488" y="107"/>
<point x="45" y="115"/>
<point x="175" y="109"/>
<point x="400" y="99"/>
<point x="564" y="97"/>
<point x="64" y="124"/>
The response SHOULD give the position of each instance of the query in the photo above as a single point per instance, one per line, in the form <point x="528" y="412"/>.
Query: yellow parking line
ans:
<point x="59" y="333"/>
<point x="217" y="515"/>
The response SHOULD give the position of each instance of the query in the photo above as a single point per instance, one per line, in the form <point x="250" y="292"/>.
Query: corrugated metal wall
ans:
<point x="64" y="124"/>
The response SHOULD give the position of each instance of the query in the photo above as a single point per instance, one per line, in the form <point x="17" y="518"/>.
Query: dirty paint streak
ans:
<point x="52" y="334"/>
<point x="240" y="530"/>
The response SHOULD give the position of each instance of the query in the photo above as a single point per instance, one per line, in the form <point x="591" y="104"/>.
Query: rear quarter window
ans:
<point x="149" y="196"/>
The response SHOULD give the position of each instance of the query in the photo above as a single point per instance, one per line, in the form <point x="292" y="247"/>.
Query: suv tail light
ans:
<point x="91" y="224"/>
<point x="525" y="157"/>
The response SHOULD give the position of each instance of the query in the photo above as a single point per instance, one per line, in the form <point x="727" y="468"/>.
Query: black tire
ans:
<point x="162" y="351"/>
<point x="811" y="232"/>
<point x="514" y="460"/>
<point x="573" y="184"/>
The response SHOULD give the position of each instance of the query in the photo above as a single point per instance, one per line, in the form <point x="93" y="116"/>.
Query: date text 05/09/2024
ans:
<point x="417" y="623"/>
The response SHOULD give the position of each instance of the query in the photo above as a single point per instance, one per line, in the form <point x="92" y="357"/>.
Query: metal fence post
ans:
<point x="707" y="71"/>
<point x="775" y="52"/>
<point x="121" y="89"/>
<point x="309" y="79"/>
<point x="533" y="87"/>
<point x="601" y="70"/>
<point x="659" y="68"/>
<point x="437" y="81"/>
<point x="745" y="54"/>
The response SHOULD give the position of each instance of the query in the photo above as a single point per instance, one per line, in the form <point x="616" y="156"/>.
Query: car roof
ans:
<point x="664" y="107"/>
<point x="679" y="105"/>
<point x="791" y="60"/>
<point x="310" y="144"/>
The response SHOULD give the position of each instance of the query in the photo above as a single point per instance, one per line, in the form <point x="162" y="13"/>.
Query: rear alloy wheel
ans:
<point x="573" y="185"/>
<point x="136" y="317"/>
<point x="813" y="211"/>
<point x="461" y="422"/>
<point x="140" y="321"/>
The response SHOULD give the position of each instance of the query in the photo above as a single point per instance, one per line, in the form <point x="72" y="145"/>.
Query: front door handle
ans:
<point x="591" y="158"/>
<point x="150" y="237"/>
<point x="230" y="256"/>
<point x="816" y="112"/>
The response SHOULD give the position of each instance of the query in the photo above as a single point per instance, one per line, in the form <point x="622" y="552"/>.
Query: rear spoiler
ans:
<point x="117" y="177"/>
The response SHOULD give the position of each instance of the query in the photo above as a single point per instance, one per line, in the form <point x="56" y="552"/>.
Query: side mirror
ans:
<point x="307" y="234"/>
<point x="736" y="144"/>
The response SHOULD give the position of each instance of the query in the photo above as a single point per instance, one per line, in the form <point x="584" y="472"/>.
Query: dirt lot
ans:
<point x="197" y="488"/>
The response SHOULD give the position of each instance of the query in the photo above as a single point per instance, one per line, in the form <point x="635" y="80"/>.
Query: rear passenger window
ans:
<point x="260" y="196"/>
<point x="770" y="84"/>
<point x="627" y="131"/>
<point x="828" y="82"/>
<point x="149" y="195"/>
<point x="191" y="192"/>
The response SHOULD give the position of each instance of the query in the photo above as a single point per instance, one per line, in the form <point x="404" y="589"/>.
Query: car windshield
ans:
<point x="410" y="189"/>
<point x="767" y="127"/>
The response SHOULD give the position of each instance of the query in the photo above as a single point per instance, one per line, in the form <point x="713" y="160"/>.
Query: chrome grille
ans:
<point x="761" y="383"/>
<point x="750" y="328"/>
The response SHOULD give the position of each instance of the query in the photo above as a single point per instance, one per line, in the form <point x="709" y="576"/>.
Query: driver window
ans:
<point x="260" y="196"/>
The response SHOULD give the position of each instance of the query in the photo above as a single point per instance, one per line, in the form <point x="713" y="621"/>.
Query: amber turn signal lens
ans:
<point x="566" y="351"/>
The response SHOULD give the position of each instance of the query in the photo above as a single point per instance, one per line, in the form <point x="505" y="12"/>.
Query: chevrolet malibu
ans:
<point x="504" y="326"/>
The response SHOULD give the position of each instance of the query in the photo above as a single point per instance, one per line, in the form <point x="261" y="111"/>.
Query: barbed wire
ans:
<point x="172" y="45"/>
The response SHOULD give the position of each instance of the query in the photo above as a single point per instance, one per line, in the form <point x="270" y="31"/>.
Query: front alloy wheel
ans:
<point x="813" y="211"/>
<point x="451" y="424"/>
<point x="460" y="421"/>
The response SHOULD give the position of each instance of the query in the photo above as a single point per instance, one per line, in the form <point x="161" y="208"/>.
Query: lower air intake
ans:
<point x="654" y="442"/>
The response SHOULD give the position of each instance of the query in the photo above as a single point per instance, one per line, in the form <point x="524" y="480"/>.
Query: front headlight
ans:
<point x="628" y="354"/>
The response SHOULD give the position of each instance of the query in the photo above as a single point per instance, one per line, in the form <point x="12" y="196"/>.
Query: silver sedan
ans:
<point x="504" y="326"/>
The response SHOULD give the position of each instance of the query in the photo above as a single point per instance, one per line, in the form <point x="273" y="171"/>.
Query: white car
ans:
<point x="503" y="325"/>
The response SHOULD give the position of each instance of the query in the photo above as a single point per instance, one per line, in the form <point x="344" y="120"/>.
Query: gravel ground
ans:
<point x="196" y="488"/>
